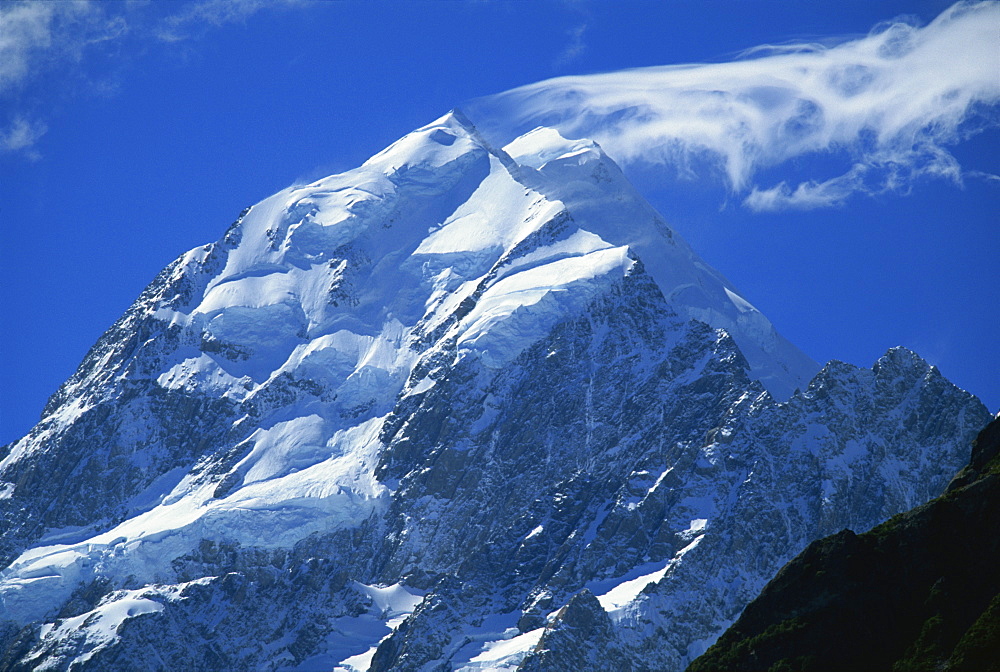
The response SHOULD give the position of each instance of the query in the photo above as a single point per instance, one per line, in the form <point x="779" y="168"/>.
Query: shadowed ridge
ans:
<point x="920" y="591"/>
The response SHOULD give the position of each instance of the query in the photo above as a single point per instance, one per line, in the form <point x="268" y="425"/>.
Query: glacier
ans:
<point x="463" y="407"/>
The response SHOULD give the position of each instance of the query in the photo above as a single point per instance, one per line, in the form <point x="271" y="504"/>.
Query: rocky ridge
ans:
<point x="918" y="592"/>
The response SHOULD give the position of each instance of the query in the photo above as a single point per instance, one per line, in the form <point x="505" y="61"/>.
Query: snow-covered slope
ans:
<point x="453" y="401"/>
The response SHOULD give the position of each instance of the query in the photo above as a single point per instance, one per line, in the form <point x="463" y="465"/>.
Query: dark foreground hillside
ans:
<point x="919" y="592"/>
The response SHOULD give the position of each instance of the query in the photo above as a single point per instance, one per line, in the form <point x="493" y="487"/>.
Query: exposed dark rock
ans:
<point x="919" y="592"/>
<point x="568" y="642"/>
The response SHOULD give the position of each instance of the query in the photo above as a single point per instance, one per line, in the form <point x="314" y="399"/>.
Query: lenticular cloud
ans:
<point x="890" y="103"/>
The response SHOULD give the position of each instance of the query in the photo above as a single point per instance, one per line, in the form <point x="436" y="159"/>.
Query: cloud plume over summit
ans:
<point x="887" y="106"/>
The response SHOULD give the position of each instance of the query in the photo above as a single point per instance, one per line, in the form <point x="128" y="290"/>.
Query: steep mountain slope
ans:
<point x="458" y="396"/>
<point x="919" y="592"/>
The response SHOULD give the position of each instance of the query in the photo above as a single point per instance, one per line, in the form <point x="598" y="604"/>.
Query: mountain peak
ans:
<point x="432" y="145"/>
<point x="375" y="381"/>
<point x="543" y="145"/>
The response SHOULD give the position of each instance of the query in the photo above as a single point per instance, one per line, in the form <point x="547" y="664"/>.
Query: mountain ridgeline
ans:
<point x="918" y="592"/>
<point x="461" y="408"/>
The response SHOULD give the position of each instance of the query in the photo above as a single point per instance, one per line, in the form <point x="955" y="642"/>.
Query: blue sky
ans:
<point x="132" y="132"/>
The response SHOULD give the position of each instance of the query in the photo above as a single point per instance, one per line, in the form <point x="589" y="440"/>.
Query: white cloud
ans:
<point x="27" y="31"/>
<point x="887" y="104"/>
<point x="980" y="175"/>
<point x="808" y="195"/>
<point x="44" y="40"/>
<point x="196" y="16"/>
<point x="21" y="136"/>
<point x="38" y="35"/>
<point x="575" y="48"/>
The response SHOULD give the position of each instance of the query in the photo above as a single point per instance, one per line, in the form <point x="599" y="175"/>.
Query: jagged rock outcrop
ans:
<point x="569" y="639"/>
<point x="918" y="592"/>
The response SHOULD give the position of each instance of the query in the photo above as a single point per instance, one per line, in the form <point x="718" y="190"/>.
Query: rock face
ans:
<point x="459" y="408"/>
<point x="919" y="592"/>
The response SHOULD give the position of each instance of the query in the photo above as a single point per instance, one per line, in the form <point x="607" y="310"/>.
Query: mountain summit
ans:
<point x="458" y="408"/>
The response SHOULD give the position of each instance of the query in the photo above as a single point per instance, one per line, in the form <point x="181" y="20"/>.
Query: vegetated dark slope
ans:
<point x="919" y="592"/>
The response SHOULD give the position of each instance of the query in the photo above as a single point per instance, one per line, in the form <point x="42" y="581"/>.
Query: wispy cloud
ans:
<point x="37" y="35"/>
<point x="21" y="136"/>
<point x="195" y="17"/>
<point x="41" y="40"/>
<point x="980" y="175"/>
<point x="888" y="105"/>
<point x="26" y="29"/>
<point x="575" y="48"/>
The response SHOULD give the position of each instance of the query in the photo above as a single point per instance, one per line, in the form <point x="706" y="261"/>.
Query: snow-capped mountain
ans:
<point x="459" y="408"/>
